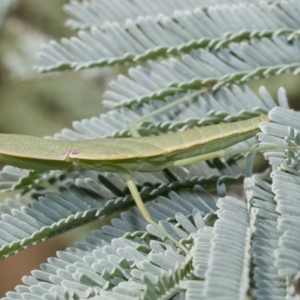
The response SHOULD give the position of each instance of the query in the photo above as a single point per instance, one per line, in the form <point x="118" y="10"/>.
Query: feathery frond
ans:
<point x="218" y="49"/>
<point x="152" y="37"/>
<point x="97" y="12"/>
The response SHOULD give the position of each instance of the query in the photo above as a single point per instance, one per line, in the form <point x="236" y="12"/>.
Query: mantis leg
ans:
<point x="145" y="213"/>
<point x="221" y="153"/>
<point x="134" y="132"/>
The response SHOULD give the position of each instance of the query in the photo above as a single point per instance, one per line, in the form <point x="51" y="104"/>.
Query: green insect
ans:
<point x="122" y="155"/>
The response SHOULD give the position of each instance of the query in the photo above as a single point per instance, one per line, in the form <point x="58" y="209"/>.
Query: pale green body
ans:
<point x="143" y="154"/>
<point x="121" y="155"/>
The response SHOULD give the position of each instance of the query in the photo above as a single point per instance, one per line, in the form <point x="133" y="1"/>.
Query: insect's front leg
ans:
<point x="145" y="213"/>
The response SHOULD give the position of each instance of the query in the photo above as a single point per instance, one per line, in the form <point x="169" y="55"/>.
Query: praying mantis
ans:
<point x="123" y="155"/>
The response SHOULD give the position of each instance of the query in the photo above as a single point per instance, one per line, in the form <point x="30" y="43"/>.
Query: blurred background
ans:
<point x="40" y="104"/>
<point x="43" y="104"/>
<point x="27" y="98"/>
